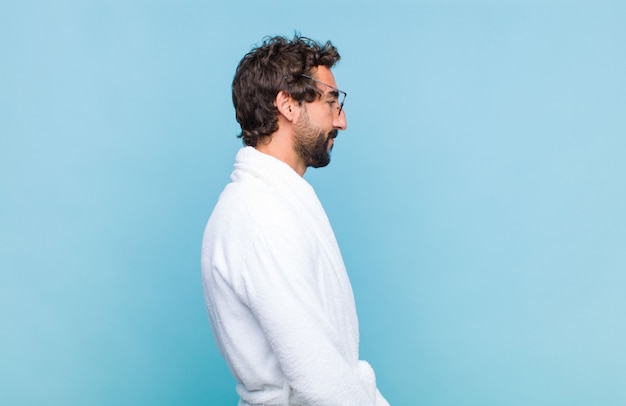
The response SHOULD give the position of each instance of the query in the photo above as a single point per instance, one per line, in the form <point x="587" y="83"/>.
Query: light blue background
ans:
<point x="478" y="195"/>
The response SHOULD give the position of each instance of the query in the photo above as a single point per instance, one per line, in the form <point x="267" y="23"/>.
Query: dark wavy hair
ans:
<point x="277" y="64"/>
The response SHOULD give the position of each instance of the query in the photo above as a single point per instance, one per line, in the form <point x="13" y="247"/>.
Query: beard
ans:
<point x="312" y="144"/>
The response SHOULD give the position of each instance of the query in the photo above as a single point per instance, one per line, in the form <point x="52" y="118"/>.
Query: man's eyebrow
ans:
<point x="334" y="93"/>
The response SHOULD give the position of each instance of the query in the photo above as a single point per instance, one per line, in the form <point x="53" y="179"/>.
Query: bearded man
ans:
<point x="279" y="299"/>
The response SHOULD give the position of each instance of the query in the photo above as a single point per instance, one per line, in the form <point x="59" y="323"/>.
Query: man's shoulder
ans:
<point x="252" y="203"/>
<point x="247" y="215"/>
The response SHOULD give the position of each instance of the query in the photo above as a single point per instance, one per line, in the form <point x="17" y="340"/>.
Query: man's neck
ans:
<point x="279" y="145"/>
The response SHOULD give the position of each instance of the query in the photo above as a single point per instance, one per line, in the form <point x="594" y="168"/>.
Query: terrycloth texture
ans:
<point x="278" y="295"/>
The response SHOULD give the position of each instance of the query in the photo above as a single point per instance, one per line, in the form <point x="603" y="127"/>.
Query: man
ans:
<point x="279" y="300"/>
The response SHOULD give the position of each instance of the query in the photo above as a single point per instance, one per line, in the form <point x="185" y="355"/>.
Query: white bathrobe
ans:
<point x="278" y="296"/>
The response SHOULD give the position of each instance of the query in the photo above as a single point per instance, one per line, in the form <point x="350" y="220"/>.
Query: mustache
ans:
<point x="333" y="134"/>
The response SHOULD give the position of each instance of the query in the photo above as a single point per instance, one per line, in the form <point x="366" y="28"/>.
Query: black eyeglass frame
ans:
<point x="339" y="92"/>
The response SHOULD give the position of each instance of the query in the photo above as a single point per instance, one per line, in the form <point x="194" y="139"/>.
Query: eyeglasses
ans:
<point x="340" y="94"/>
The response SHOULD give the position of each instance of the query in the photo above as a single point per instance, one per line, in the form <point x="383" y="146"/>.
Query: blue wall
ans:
<point x="478" y="195"/>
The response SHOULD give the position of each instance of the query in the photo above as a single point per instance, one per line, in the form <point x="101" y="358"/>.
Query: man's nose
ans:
<point x="340" y="122"/>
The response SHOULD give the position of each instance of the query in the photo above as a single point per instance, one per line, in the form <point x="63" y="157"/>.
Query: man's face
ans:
<point x="319" y="122"/>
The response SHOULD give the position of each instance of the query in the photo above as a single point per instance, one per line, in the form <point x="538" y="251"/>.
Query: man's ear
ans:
<point x="286" y="105"/>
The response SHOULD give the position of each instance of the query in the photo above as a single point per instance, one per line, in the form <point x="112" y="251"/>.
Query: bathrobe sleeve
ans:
<point x="281" y="286"/>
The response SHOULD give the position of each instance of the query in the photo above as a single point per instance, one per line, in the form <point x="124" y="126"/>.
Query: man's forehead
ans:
<point x="323" y="74"/>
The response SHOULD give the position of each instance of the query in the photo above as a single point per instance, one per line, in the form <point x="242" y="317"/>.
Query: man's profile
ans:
<point x="279" y="299"/>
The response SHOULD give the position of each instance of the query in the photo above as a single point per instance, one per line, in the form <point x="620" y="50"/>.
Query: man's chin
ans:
<point x="321" y="162"/>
